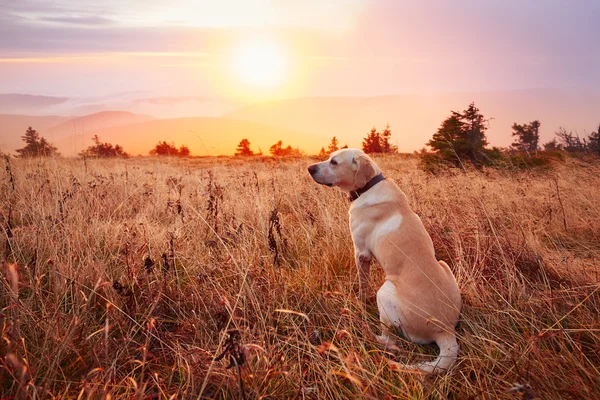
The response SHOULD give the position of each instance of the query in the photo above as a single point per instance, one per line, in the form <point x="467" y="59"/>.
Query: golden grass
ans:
<point x="122" y="278"/>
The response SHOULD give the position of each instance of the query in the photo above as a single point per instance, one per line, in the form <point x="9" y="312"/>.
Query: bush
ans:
<point x="168" y="149"/>
<point x="100" y="149"/>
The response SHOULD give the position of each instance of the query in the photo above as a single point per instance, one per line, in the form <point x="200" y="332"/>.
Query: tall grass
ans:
<point x="127" y="278"/>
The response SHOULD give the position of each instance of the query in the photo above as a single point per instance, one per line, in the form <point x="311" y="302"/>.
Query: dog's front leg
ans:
<point x="363" y="264"/>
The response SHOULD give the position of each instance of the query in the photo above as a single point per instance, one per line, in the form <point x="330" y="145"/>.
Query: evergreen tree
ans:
<point x="243" y="148"/>
<point x="333" y="146"/>
<point x="528" y="136"/>
<point x="476" y="139"/>
<point x="462" y="136"/>
<point x="36" y="145"/>
<point x="386" y="136"/>
<point x="570" y="141"/>
<point x="278" y="150"/>
<point x="448" y="141"/>
<point x="552" y="145"/>
<point x="372" y="143"/>
<point x="594" y="140"/>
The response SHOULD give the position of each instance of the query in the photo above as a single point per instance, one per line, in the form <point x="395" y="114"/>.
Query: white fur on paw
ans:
<point x="385" y="340"/>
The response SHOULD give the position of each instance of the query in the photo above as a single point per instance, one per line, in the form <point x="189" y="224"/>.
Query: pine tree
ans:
<point x="528" y="136"/>
<point x="571" y="141"/>
<point x="278" y="150"/>
<point x="372" y="143"/>
<point x="594" y="140"/>
<point x="476" y="127"/>
<point x="333" y="146"/>
<point x="243" y="148"/>
<point x="36" y="145"/>
<point x="448" y="141"/>
<point x="462" y="136"/>
<point x="386" y="136"/>
<point x="552" y="145"/>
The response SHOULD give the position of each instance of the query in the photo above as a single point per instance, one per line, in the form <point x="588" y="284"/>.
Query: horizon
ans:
<point x="199" y="59"/>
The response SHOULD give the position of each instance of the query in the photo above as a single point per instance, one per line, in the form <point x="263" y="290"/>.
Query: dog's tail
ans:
<point x="448" y="355"/>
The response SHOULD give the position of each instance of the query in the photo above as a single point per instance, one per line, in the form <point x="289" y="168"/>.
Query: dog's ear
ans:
<point x="364" y="170"/>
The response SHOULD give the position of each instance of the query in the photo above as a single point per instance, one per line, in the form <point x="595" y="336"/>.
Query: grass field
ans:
<point x="122" y="278"/>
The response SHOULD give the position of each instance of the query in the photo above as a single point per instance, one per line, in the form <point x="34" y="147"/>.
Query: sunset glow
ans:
<point x="312" y="67"/>
<point x="259" y="63"/>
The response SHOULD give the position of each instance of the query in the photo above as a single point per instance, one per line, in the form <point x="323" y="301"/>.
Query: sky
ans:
<point x="307" y="47"/>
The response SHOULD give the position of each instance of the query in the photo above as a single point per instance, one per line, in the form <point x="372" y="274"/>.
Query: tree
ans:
<point x="333" y="146"/>
<point x="168" y="149"/>
<point x="476" y="127"/>
<point x="184" y="151"/>
<point x="36" y="145"/>
<point x="243" y="148"/>
<point x="278" y="150"/>
<point x="323" y="153"/>
<point x="594" y="140"/>
<point x="552" y="145"/>
<point x="386" y="136"/>
<point x="462" y="136"/>
<point x="528" y="136"/>
<point x="100" y="149"/>
<point x="377" y="142"/>
<point x="372" y="143"/>
<point x="570" y="141"/>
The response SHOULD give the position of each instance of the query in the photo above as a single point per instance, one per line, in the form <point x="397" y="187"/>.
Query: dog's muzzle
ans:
<point x="312" y="170"/>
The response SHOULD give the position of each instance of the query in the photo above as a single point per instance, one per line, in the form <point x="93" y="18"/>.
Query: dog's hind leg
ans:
<point x="389" y="312"/>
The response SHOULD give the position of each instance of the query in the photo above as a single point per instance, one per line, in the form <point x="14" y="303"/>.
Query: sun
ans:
<point x="260" y="63"/>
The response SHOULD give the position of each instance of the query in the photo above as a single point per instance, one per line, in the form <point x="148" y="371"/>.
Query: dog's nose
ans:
<point x="312" y="169"/>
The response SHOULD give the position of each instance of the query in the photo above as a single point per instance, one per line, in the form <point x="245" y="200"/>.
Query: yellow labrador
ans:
<point x="420" y="295"/>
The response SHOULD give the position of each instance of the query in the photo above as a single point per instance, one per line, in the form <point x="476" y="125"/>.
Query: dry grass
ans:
<point x="124" y="276"/>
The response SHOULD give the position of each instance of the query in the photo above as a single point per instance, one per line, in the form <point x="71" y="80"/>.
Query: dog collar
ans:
<point x="355" y="194"/>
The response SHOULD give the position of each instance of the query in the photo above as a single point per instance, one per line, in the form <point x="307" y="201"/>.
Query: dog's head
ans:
<point x="348" y="169"/>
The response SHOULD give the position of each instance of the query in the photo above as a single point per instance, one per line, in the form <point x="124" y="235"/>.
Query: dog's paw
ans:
<point x="387" y="342"/>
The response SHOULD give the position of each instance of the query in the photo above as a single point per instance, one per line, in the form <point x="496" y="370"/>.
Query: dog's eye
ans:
<point x="333" y="162"/>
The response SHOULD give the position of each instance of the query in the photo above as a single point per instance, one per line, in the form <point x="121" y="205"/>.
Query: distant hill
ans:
<point x="414" y="118"/>
<point x="61" y="129"/>
<point x="204" y="136"/>
<point x="96" y="121"/>
<point x="12" y="127"/>
<point x="13" y="103"/>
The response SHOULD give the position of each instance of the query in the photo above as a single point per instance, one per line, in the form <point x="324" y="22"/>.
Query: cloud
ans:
<point x="79" y="20"/>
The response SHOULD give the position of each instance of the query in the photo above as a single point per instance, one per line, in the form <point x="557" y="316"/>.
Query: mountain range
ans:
<point x="214" y="126"/>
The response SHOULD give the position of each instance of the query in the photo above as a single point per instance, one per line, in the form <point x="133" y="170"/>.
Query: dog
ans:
<point x="420" y="295"/>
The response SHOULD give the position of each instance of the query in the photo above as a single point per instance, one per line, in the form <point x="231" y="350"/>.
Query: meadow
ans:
<point x="129" y="278"/>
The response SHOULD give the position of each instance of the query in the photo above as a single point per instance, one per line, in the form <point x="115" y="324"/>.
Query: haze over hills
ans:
<point x="96" y="121"/>
<point x="15" y="103"/>
<point x="53" y="128"/>
<point x="138" y="102"/>
<point x="309" y="122"/>
<point x="12" y="127"/>
<point x="203" y="136"/>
